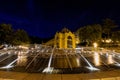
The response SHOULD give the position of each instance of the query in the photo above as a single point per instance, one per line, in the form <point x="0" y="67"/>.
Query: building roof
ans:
<point x="64" y="30"/>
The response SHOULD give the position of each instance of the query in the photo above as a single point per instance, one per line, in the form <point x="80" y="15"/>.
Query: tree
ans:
<point x="107" y="27"/>
<point x="5" y="33"/>
<point x="20" y="37"/>
<point x="90" y="33"/>
<point x="116" y="36"/>
<point x="95" y="33"/>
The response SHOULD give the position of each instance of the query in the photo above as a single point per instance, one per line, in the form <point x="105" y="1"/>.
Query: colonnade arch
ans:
<point x="64" y="39"/>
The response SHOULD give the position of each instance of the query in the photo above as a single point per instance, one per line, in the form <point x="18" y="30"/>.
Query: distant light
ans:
<point x="23" y="47"/>
<point x="95" y="45"/>
<point x="103" y="41"/>
<point x="117" y="41"/>
<point x="108" y="40"/>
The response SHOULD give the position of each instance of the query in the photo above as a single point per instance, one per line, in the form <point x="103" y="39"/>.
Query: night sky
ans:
<point x="43" y="18"/>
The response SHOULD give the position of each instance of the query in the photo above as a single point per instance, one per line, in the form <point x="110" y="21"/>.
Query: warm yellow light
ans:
<point x="22" y="60"/>
<point x="95" y="45"/>
<point x="117" y="41"/>
<point x="78" y="61"/>
<point x="96" y="59"/>
<point x="23" y="47"/>
<point x="110" y="59"/>
<point x="103" y="41"/>
<point x="108" y="40"/>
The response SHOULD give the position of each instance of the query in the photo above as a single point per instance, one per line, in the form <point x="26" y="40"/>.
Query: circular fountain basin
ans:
<point x="49" y="60"/>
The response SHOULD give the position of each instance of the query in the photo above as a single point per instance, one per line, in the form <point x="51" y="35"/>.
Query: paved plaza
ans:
<point x="106" y="75"/>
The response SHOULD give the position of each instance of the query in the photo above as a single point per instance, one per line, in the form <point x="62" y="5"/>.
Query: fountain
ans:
<point x="45" y="59"/>
<point x="89" y="64"/>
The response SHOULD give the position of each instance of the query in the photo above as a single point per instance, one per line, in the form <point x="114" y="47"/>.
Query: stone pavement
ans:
<point x="106" y="75"/>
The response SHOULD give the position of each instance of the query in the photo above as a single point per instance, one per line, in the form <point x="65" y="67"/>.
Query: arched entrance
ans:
<point x="57" y="42"/>
<point x="69" y="42"/>
<point x="65" y="39"/>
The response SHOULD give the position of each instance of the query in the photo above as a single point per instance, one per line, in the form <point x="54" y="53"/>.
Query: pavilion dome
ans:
<point x="65" y="30"/>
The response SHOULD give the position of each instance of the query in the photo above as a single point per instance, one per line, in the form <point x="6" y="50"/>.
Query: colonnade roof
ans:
<point x="64" y="30"/>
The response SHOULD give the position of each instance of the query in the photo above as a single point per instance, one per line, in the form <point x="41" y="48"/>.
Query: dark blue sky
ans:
<point x="44" y="17"/>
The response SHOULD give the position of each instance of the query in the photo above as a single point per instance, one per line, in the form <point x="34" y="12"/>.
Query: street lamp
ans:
<point x="95" y="45"/>
<point x="108" y="41"/>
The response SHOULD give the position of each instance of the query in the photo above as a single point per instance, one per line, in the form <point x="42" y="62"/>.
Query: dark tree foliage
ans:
<point x="116" y="36"/>
<point x="90" y="33"/>
<point x="9" y="36"/>
<point x="98" y="32"/>
<point x="5" y="33"/>
<point x="20" y="37"/>
<point x="107" y="27"/>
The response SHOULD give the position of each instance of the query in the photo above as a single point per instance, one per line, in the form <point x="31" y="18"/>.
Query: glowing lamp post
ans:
<point x="108" y="41"/>
<point x="95" y="45"/>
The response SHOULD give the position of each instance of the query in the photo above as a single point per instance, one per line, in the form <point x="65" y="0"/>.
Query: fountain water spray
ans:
<point x="49" y="69"/>
<point x="110" y="59"/>
<point x="90" y="66"/>
<point x="3" y="54"/>
<point x="68" y="61"/>
<point x="31" y="61"/>
<point x="116" y="63"/>
<point x="5" y="58"/>
<point x="96" y="59"/>
<point x="105" y="56"/>
<point x="10" y="65"/>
